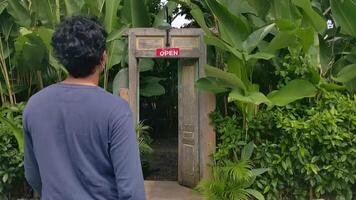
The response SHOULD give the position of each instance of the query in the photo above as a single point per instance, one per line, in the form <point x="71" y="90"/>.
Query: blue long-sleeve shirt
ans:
<point x="80" y="144"/>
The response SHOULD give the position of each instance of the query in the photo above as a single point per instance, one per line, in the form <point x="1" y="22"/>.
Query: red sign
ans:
<point x="167" y="52"/>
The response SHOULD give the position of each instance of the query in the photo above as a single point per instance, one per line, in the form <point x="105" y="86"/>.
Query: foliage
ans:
<point x="11" y="148"/>
<point x="26" y="57"/>
<point x="11" y="167"/>
<point x="251" y="38"/>
<point x="11" y="118"/>
<point x="143" y="139"/>
<point x="309" y="147"/>
<point x="232" y="179"/>
<point x="144" y="142"/>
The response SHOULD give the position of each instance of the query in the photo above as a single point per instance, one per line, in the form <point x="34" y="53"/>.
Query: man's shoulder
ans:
<point x="40" y="95"/>
<point x="112" y="100"/>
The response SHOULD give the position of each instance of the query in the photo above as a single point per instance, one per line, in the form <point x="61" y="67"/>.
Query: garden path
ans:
<point x="168" y="190"/>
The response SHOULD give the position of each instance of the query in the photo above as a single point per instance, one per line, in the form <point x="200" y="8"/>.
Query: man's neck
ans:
<point x="92" y="80"/>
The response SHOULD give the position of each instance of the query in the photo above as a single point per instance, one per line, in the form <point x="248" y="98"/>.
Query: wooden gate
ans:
<point x="195" y="135"/>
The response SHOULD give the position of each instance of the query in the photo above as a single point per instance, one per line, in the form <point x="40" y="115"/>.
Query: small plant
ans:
<point x="232" y="179"/>
<point x="144" y="142"/>
<point x="143" y="139"/>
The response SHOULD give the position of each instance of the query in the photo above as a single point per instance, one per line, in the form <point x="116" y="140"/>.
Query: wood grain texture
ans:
<point x="197" y="138"/>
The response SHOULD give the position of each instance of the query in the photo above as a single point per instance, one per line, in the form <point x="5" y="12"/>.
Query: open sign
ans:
<point x="167" y="52"/>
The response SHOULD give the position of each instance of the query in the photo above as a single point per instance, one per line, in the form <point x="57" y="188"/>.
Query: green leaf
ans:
<point x="318" y="22"/>
<point x="282" y="40"/>
<point x="46" y="35"/>
<point x="7" y="25"/>
<point x="211" y="84"/>
<point x="292" y="91"/>
<point x="5" y="178"/>
<point x="332" y="86"/>
<point x="145" y="64"/>
<point x="346" y="74"/>
<point x="161" y="15"/>
<point x="3" y="5"/>
<point x="30" y="52"/>
<point x="117" y="33"/>
<point x="247" y="151"/>
<point x="19" y="12"/>
<point x="307" y="36"/>
<point x="45" y="10"/>
<point x="286" y="25"/>
<point x="236" y="66"/>
<point x="115" y="53"/>
<point x="121" y="80"/>
<point x="199" y="18"/>
<point x="73" y="7"/>
<point x="284" y="9"/>
<point x="326" y="56"/>
<point x="149" y="86"/>
<point x="260" y="55"/>
<point x="251" y="97"/>
<point x="344" y="14"/>
<point x="214" y="41"/>
<point x="110" y="18"/>
<point x="259" y="171"/>
<point x="235" y="26"/>
<point x="153" y="89"/>
<point x="256" y="37"/>
<point x="139" y="13"/>
<point x="351" y="85"/>
<point x="229" y="78"/>
<point x="16" y="131"/>
<point x="255" y="194"/>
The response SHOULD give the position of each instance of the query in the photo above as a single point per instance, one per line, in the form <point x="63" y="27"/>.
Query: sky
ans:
<point x="179" y="21"/>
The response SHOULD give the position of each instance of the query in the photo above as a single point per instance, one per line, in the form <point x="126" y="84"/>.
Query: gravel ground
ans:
<point x="164" y="164"/>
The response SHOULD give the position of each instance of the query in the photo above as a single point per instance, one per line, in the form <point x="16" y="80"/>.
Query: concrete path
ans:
<point x="168" y="190"/>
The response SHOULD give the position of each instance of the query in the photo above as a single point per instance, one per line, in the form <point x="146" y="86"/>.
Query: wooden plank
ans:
<point x="207" y="104"/>
<point x="149" y="43"/>
<point x="133" y="77"/>
<point x="188" y="133"/>
<point x="186" y="43"/>
<point x="173" y="32"/>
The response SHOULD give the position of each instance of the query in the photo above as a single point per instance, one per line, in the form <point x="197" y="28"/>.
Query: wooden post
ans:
<point x="133" y="78"/>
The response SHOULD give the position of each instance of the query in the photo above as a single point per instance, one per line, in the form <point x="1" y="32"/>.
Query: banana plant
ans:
<point x="344" y="15"/>
<point x="245" y="43"/>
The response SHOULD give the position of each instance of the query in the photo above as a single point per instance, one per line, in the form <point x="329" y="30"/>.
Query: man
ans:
<point x="80" y="142"/>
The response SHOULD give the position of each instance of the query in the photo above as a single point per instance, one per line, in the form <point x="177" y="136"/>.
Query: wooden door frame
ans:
<point x="143" y="43"/>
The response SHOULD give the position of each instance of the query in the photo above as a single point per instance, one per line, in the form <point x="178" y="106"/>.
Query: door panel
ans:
<point x="188" y="158"/>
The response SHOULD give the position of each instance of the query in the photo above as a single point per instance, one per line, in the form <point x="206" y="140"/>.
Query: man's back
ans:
<point x="81" y="140"/>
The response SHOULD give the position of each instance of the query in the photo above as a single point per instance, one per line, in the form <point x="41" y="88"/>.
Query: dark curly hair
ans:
<point x="79" y="43"/>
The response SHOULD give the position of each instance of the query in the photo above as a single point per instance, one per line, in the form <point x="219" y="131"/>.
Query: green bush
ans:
<point x="11" y="164"/>
<point x="310" y="147"/>
<point x="12" y="179"/>
<point x="232" y="179"/>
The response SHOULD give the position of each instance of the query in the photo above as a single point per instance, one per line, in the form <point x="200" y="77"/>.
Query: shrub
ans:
<point x="11" y="164"/>
<point x="12" y="179"/>
<point x="232" y="179"/>
<point x="310" y="147"/>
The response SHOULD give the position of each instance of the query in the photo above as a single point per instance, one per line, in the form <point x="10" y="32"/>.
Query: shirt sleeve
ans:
<point x="125" y="157"/>
<point x="32" y="172"/>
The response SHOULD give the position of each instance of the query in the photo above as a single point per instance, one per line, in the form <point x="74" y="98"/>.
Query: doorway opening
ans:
<point x="159" y="110"/>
